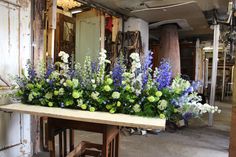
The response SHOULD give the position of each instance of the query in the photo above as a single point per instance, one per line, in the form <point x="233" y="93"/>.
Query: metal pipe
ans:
<point x="214" y="70"/>
<point x="206" y="72"/>
<point x="223" y="81"/>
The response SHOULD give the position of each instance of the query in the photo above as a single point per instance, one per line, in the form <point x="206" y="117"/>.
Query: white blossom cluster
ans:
<point x="136" y="75"/>
<point x="206" y="108"/>
<point x="102" y="63"/>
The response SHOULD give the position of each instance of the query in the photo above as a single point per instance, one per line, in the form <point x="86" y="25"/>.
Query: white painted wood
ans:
<point x="9" y="48"/>
<point x="86" y="116"/>
<point x="15" y="48"/>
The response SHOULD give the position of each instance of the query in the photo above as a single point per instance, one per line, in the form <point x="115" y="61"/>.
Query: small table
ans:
<point x="109" y="147"/>
<point x="102" y="122"/>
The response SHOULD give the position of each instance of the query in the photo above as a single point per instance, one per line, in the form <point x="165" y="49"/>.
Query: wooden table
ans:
<point x="101" y="122"/>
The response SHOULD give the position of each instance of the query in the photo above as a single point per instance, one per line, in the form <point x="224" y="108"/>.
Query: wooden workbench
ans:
<point x="101" y="122"/>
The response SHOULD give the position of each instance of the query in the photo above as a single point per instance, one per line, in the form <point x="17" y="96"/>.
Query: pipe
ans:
<point x="214" y="70"/>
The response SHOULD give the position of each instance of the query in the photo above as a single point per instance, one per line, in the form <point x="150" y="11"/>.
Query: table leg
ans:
<point x="117" y="144"/>
<point x="60" y="145"/>
<point x="51" y="140"/>
<point x="65" y="142"/>
<point x="71" y="139"/>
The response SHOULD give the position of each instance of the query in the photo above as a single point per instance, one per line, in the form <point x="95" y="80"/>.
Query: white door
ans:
<point x="13" y="126"/>
<point x="88" y="32"/>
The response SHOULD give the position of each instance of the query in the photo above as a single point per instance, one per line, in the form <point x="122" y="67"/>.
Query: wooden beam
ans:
<point x="39" y="9"/>
<point x="52" y="15"/>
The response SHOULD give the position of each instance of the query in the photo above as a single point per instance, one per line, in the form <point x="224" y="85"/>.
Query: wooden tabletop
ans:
<point x="86" y="116"/>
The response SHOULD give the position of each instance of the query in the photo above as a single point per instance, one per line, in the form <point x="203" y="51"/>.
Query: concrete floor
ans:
<point x="197" y="140"/>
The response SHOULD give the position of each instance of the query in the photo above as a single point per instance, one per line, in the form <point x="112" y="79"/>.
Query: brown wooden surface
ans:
<point x="232" y="147"/>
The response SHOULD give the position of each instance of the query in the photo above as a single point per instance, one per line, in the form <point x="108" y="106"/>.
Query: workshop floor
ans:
<point x="197" y="140"/>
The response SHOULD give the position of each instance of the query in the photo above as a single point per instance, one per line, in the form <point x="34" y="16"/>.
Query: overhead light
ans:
<point x="210" y="48"/>
<point x="76" y="11"/>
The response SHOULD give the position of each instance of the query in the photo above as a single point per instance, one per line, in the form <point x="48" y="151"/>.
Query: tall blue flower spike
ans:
<point x="31" y="71"/>
<point x="117" y="72"/>
<point x="164" y="76"/>
<point x="147" y="64"/>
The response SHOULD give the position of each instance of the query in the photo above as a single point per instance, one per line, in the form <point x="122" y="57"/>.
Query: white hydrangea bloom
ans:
<point x="64" y="56"/>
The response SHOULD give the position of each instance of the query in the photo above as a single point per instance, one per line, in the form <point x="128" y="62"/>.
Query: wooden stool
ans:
<point x="109" y="147"/>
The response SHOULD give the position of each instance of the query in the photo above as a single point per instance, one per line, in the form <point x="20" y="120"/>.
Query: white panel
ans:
<point x="9" y="125"/>
<point x="9" y="48"/>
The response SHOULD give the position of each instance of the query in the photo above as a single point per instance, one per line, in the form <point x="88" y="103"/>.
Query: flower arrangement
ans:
<point x="137" y="91"/>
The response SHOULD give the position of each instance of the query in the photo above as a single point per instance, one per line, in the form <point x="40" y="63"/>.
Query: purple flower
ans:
<point x="51" y="83"/>
<point x="187" y="115"/>
<point x="94" y="67"/>
<point x="31" y="71"/>
<point x="194" y="87"/>
<point x="71" y="73"/>
<point x="117" y="72"/>
<point x="164" y="75"/>
<point x="147" y="64"/>
<point x="62" y="104"/>
<point x="196" y="84"/>
<point x="21" y="83"/>
<point x="50" y="69"/>
<point x="179" y="101"/>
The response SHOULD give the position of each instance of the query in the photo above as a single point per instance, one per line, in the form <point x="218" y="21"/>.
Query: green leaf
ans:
<point x="48" y="95"/>
<point x="91" y="109"/>
<point x="109" y="107"/>
<point x="30" y="97"/>
<point x="39" y="86"/>
<point x="69" y="102"/>
<point x="69" y="83"/>
<point x="75" y="94"/>
<point x="113" y="110"/>
<point x="158" y="93"/>
<point x="50" y="104"/>
<point x="56" y="92"/>
<point x="30" y="86"/>
<point x="84" y="106"/>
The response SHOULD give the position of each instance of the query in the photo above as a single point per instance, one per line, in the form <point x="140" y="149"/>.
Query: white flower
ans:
<point x="93" y="80"/>
<point x="64" y="56"/>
